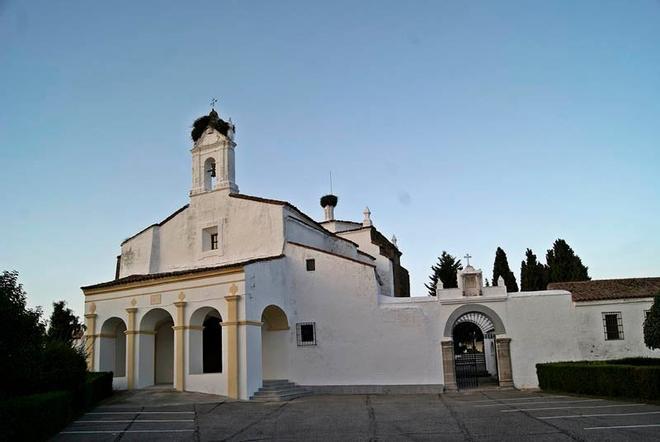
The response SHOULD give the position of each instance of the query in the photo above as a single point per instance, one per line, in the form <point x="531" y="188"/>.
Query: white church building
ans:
<point x="233" y="290"/>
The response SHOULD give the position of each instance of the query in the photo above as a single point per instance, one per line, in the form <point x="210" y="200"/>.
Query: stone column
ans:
<point x="90" y="339"/>
<point x="231" y="325"/>
<point x="448" y="366"/>
<point x="504" y="373"/>
<point x="179" y="330"/>
<point x="130" y="347"/>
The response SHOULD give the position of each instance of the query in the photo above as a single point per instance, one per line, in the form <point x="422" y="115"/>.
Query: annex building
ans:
<point x="232" y="290"/>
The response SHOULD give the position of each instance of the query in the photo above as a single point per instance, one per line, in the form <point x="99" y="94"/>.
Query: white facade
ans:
<point x="219" y="296"/>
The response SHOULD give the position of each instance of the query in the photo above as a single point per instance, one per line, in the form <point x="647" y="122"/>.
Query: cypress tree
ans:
<point x="564" y="265"/>
<point x="446" y="271"/>
<point x="533" y="274"/>
<point x="501" y="268"/>
<point x="652" y="325"/>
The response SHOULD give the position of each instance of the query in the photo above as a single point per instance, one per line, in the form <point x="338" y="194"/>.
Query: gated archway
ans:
<point x="473" y="337"/>
<point x="475" y="349"/>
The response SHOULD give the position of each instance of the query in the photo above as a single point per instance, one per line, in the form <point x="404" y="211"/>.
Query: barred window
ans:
<point x="613" y="326"/>
<point x="306" y="333"/>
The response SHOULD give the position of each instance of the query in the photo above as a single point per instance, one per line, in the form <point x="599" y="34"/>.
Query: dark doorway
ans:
<point x="469" y="358"/>
<point x="212" y="345"/>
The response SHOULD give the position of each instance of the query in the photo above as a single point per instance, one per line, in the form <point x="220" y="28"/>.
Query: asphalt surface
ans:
<point x="476" y="416"/>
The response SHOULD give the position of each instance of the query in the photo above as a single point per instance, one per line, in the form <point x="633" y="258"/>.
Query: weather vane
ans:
<point x="213" y="101"/>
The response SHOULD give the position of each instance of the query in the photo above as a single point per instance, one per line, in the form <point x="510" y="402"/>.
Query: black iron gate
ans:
<point x="469" y="367"/>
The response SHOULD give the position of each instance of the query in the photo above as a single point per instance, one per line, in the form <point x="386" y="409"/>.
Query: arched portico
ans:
<point x="112" y="349"/>
<point x="155" y="361"/>
<point x="475" y="344"/>
<point x="274" y="343"/>
<point x="205" y="350"/>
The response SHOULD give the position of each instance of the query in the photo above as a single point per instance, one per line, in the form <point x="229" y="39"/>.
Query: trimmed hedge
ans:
<point x="97" y="387"/>
<point x="39" y="416"/>
<point x="35" y="417"/>
<point x="631" y="378"/>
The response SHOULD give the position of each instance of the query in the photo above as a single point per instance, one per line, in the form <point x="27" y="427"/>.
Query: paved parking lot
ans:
<point x="486" y="415"/>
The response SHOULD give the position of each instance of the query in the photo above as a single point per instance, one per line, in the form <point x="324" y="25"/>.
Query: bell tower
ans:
<point x="213" y="155"/>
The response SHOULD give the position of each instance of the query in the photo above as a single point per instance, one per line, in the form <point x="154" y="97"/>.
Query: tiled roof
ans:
<point x="153" y="276"/>
<point x="604" y="289"/>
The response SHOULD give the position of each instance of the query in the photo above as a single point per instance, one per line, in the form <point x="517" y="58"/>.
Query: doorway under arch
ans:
<point x="156" y="348"/>
<point x="274" y="343"/>
<point x="475" y="356"/>
<point x="112" y="347"/>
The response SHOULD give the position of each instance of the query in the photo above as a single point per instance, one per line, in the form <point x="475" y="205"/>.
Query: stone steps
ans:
<point x="277" y="390"/>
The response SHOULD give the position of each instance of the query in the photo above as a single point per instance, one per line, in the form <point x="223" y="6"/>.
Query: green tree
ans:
<point x="64" y="326"/>
<point x="501" y="268"/>
<point x="564" y="265"/>
<point x="445" y="270"/>
<point x="652" y="325"/>
<point x="21" y="338"/>
<point x="533" y="274"/>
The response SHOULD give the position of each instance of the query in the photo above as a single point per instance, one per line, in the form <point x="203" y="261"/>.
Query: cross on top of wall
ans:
<point x="467" y="257"/>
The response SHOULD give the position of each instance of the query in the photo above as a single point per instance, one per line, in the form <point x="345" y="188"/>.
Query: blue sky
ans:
<point x="463" y="125"/>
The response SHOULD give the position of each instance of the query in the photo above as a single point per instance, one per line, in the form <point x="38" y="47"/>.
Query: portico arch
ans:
<point x="156" y="348"/>
<point x="112" y="347"/>
<point x="205" y="341"/>
<point x="274" y="343"/>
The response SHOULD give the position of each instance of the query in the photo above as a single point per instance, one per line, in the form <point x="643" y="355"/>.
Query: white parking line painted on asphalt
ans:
<point x="127" y="431"/>
<point x="131" y="420"/>
<point x="575" y="416"/>
<point x="140" y="412"/>
<point x="574" y="406"/>
<point x="623" y="426"/>
<point x="517" y="399"/>
<point x="545" y="402"/>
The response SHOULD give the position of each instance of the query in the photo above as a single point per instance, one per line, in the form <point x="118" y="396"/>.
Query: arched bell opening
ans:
<point x="210" y="175"/>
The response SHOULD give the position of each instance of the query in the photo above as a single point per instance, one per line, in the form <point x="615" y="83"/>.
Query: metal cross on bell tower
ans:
<point x="213" y="102"/>
<point x="467" y="257"/>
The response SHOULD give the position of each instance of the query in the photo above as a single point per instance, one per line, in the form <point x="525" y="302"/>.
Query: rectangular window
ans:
<point x="210" y="239"/>
<point x="306" y="333"/>
<point x="613" y="326"/>
<point x="311" y="265"/>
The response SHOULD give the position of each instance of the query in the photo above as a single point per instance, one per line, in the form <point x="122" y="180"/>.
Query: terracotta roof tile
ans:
<point x="151" y="276"/>
<point x="604" y="289"/>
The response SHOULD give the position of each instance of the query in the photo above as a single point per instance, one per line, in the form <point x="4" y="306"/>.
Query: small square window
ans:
<point x="613" y="326"/>
<point x="311" y="265"/>
<point x="210" y="239"/>
<point x="306" y="333"/>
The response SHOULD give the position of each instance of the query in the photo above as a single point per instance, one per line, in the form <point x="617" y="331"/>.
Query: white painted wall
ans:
<point x="591" y="331"/>
<point x="164" y="354"/>
<point x="177" y="244"/>
<point x="383" y="264"/>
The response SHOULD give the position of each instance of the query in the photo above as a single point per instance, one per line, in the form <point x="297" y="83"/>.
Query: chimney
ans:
<point x="329" y="202"/>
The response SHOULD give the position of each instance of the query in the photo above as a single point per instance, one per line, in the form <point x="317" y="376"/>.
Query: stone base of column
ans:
<point x="448" y="366"/>
<point x="504" y="372"/>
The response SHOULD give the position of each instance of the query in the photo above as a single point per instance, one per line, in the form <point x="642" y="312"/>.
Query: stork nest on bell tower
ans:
<point x="210" y="120"/>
